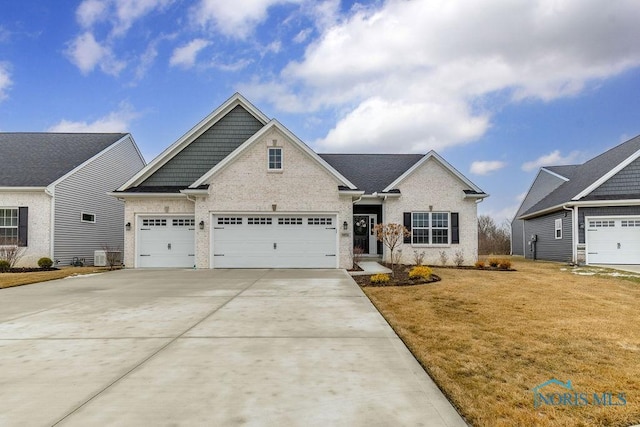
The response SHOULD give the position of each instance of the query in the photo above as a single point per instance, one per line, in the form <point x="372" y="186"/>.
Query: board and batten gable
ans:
<point x="544" y="183"/>
<point x="207" y="150"/>
<point x="39" y="223"/>
<point x="85" y="190"/>
<point x="547" y="246"/>
<point x="245" y="185"/>
<point x="433" y="185"/>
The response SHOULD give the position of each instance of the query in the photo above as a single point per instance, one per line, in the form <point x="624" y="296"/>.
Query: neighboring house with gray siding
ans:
<point x="239" y="190"/>
<point x="53" y="193"/>
<point x="588" y="213"/>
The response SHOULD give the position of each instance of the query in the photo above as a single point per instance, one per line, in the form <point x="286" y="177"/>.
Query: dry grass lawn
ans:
<point x="487" y="338"/>
<point x="8" y="280"/>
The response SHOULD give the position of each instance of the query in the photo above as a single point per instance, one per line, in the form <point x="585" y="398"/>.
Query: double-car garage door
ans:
<point x="241" y="241"/>
<point x="613" y="240"/>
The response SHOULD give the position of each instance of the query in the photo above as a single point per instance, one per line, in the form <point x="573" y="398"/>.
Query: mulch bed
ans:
<point x="401" y="278"/>
<point x="28" y="269"/>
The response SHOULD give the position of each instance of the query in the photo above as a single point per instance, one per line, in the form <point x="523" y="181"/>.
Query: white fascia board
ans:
<point x="356" y="193"/>
<point x="192" y="135"/>
<point x="147" y="195"/>
<point x="204" y="179"/>
<point x="436" y="156"/>
<point x="604" y="178"/>
<point x="124" y="139"/>
<point x="195" y="192"/>
<point x="476" y="196"/>
<point x="22" y="189"/>
<point x="584" y="204"/>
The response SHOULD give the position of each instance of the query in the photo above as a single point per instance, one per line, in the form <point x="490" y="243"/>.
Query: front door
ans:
<point x="364" y="235"/>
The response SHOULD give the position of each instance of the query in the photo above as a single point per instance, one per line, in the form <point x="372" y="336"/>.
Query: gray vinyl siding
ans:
<point x="548" y="247"/>
<point x="544" y="184"/>
<point x="604" y="211"/>
<point x="624" y="184"/>
<point x="207" y="150"/>
<point x="85" y="191"/>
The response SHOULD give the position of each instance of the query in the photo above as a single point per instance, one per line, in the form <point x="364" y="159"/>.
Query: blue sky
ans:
<point x="498" y="88"/>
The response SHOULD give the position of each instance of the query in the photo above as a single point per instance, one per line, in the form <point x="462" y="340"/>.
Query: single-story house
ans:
<point x="53" y="193"/>
<point x="588" y="213"/>
<point x="239" y="190"/>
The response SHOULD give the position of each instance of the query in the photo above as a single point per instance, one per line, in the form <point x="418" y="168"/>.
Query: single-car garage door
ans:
<point x="166" y="241"/>
<point x="613" y="240"/>
<point x="274" y="241"/>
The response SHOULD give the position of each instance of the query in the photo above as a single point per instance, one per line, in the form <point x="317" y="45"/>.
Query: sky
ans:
<point x="498" y="88"/>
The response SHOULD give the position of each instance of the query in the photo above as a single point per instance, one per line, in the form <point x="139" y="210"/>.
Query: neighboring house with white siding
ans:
<point x="53" y="193"/>
<point x="239" y="190"/>
<point x="588" y="213"/>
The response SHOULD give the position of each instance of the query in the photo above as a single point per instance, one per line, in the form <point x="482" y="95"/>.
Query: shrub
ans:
<point x="4" y="266"/>
<point x="504" y="264"/>
<point x="493" y="262"/>
<point x="443" y="257"/>
<point x="418" y="257"/>
<point x="45" y="262"/>
<point x="458" y="259"/>
<point x="379" y="278"/>
<point x="479" y="264"/>
<point x="420" y="271"/>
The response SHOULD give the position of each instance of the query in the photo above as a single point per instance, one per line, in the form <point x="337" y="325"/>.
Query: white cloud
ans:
<point x="302" y="36"/>
<point x="116" y="121"/>
<point x="185" y="56"/>
<point x="5" y="80"/>
<point x="86" y="53"/>
<point x="552" y="159"/>
<point x="446" y="56"/>
<point x="235" y="19"/>
<point x="129" y="11"/>
<point x="485" y="167"/>
<point x="90" y="11"/>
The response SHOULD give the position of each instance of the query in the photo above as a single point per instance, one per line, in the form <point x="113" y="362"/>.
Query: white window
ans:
<point x="559" y="228"/>
<point x="87" y="217"/>
<point x="275" y="159"/>
<point x="430" y="228"/>
<point x="8" y="226"/>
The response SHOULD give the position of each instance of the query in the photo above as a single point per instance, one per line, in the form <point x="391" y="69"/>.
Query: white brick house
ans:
<point x="241" y="191"/>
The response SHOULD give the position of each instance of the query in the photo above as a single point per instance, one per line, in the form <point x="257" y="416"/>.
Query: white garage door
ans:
<point x="613" y="240"/>
<point x="270" y="241"/>
<point x="166" y="242"/>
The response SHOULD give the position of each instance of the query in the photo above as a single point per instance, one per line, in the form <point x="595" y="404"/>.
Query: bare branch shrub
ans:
<point x="418" y="257"/>
<point x="444" y="258"/>
<point x="458" y="258"/>
<point x="113" y="255"/>
<point x="356" y="254"/>
<point x="10" y="251"/>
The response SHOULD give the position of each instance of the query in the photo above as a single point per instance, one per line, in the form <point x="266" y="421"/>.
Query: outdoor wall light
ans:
<point x="345" y="226"/>
<point x="201" y="225"/>
<point x="128" y="226"/>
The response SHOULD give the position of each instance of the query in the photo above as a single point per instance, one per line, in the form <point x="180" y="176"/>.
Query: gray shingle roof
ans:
<point x="38" y="159"/>
<point x="582" y="176"/>
<point x="371" y="172"/>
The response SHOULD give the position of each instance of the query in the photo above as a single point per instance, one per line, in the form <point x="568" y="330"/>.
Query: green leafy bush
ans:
<point x="420" y="271"/>
<point x="4" y="266"/>
<point x="379" y="278"/>
<point x="45" y="262"/>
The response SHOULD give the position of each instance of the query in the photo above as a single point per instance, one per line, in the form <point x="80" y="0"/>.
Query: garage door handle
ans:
<point x="275" y="246"/>
<point x="618" y="245"/>
<point x="169" y="246"/>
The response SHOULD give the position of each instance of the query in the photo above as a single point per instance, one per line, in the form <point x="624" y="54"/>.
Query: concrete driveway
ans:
<point x="204" y="347"/>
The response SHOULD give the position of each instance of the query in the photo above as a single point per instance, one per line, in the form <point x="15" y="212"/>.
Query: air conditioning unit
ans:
<point x="101" y="258"/>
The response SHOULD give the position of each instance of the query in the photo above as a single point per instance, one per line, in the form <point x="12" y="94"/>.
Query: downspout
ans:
<point x="52" y="219"/>
<point x="574" y="248"/>
<point x="195" y="261"/>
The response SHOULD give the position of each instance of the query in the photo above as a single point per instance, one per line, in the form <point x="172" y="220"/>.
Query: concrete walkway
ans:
<point x="370" y="267"/>
<point x="202" y="347"/>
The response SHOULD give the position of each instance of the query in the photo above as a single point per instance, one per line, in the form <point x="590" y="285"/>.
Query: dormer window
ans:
<point x="275" y="158"/>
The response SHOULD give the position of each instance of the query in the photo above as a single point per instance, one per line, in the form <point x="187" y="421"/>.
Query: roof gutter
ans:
<point x="124" y="195"/>
<point x="22" y="189"/>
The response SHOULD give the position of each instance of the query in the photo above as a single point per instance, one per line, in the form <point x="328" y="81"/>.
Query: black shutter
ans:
<point x="407" y="224"/>
<point x="23" y="226"/>
<point x="455" y="230"/>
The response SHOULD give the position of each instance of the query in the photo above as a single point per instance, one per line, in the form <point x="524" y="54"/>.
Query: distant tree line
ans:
<point x="493" y="238"/>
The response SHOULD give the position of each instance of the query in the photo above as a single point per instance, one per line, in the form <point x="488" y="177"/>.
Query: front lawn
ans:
<point x="488" y="338"/>
<point x="8" y="280"/>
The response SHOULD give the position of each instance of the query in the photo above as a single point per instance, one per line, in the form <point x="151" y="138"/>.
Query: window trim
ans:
<point x="17" y="226"/>
<point x="558" y="228"/>
<point x="430" y="229"/>
<point x="82" y="214"/>
<point x="275" y="169"/>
